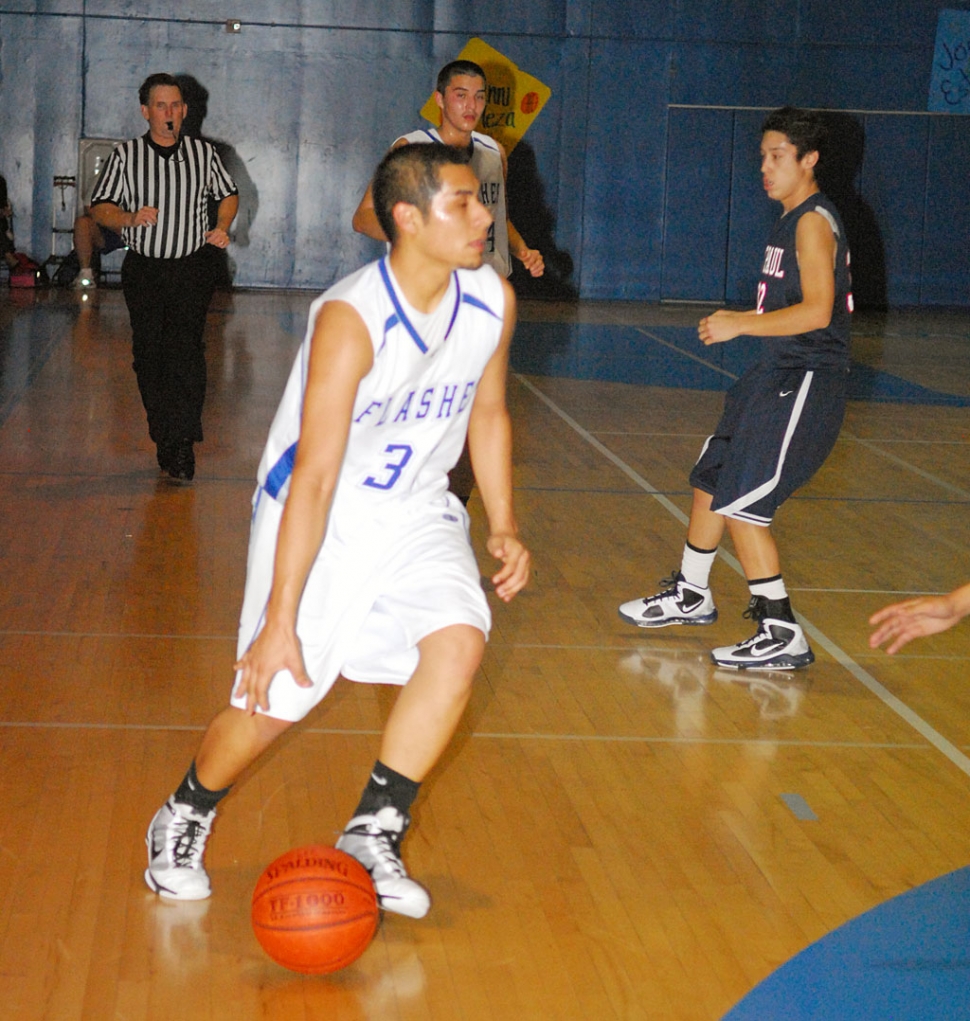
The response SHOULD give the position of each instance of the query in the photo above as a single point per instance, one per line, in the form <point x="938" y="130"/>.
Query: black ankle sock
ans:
<point x="776" y="609"/>
<point x="386" y="787"/>
<point x="191" y="792"/>
<point x="780" y="609"/>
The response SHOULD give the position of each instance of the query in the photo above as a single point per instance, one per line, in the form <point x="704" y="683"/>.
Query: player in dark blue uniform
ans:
<point x="781" y="419"/>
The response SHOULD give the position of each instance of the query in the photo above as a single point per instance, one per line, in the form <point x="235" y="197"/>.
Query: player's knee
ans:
<point x="472" y="643"/>
<point x="458" y="651"/>
<point x="258" y="730"/>
<point x="270" y="727"/>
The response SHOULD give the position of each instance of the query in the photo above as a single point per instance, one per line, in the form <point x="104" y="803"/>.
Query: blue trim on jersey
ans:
<point x="459" y="298"/>
<point x="277" y="476"/>
<point x="401" y="316"/>
<point x="389" y="325"/>
<point x="477" y="303"/>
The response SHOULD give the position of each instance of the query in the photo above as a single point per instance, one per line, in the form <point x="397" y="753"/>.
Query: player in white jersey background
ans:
<point x="359" y="559"/>
<point x="460" y="92"/>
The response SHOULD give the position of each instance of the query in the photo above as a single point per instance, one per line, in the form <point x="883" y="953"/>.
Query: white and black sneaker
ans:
<point x="375" y="840"/>
<point x="678" y="603"/>
<point x="778" y="644"/>
<point x="176" y="843"/>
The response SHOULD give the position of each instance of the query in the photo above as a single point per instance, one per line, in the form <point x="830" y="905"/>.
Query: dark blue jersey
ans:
<point x="780" y="286"/>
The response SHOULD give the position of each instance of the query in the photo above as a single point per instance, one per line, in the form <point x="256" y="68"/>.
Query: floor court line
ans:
<point x="872" y="446"/>
<point x="911" y="442"/>
<point x="865" y="591"/>
<point x="491" y="735"/>
<point x="641" y="646"/>
<point x="936" y="739"/>
<point x="686" y="354"/>
<point x="843" y="437"/>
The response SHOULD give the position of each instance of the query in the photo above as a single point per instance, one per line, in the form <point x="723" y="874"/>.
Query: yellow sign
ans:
<point x="513" y="98"/>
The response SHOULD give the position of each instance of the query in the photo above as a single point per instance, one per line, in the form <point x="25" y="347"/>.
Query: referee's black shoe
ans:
<point x="182" y="466"/>
<point x="165" y="452"/>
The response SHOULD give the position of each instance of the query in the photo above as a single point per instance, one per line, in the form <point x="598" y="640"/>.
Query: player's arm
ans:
<point x="902" y="622"/>
<point x="340" y="356"/>
<point x="531" y="258"/>
<point x="815" y="248"/>
<point x="490" y="447"/>
<point x="365" y="217"/>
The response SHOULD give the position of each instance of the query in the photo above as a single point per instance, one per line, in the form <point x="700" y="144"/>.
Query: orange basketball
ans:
<point x="314" y="909"/>
<point x="530" y="102"/>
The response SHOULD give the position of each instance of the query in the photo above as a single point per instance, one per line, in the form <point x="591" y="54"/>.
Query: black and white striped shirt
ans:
<point x="178" y="181"/>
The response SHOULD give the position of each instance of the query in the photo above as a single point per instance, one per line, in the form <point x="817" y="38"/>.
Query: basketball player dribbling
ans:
<point x="359" y="560"/>
<point x="781" y="418"/>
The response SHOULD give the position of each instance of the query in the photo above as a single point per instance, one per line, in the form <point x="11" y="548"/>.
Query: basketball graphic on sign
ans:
<point x="530" y="102"/>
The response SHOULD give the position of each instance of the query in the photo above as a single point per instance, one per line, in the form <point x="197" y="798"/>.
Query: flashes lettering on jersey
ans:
<point x="443" y="396"/>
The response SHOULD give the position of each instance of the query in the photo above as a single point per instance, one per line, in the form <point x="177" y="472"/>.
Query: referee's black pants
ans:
<point x="167" y="302"/>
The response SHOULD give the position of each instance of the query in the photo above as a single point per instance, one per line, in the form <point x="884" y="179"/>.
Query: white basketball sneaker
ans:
<point x="176" y="843"/>
<point x="375" y="840"/>
<point x="678" y="603"/>
<point x="778" y="644"/>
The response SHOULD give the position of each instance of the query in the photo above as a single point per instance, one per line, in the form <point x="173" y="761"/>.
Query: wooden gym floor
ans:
<point x="618" y="831"/>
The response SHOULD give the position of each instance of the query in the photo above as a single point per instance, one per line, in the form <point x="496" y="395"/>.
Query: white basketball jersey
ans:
<point x="487" y="164"/>
<point x="411" y="412"/>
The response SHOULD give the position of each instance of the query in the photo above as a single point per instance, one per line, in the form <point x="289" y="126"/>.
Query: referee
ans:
<point x="155" y="192"/>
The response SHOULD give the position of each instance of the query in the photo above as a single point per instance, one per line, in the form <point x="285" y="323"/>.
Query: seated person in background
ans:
<point x="6" y="232"/>
<point x="90" y="239"/>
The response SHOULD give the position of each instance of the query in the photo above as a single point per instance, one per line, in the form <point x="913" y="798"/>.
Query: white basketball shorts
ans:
<point x="375" y="590"/>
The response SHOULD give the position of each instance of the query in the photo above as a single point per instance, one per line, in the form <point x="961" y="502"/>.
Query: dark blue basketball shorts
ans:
<point x="777" y="429"/>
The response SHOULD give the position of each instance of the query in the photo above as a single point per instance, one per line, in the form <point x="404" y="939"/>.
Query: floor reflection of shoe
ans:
<point x="684" y="673"/>
<point x="181" y="933"/>
<point x="778" y="694"/>
<point x="404" y="979"/>
<point x="778" y="699"/>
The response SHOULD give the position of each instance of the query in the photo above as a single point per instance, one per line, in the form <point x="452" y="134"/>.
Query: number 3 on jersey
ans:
<point x="398" y="456"/>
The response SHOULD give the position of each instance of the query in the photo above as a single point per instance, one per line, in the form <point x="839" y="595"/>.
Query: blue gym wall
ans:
<point x="639" y="179"/>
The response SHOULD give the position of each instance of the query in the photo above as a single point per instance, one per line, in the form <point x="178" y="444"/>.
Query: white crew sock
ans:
<point x="696" y="566"/>
<point x="770" y="588"/>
